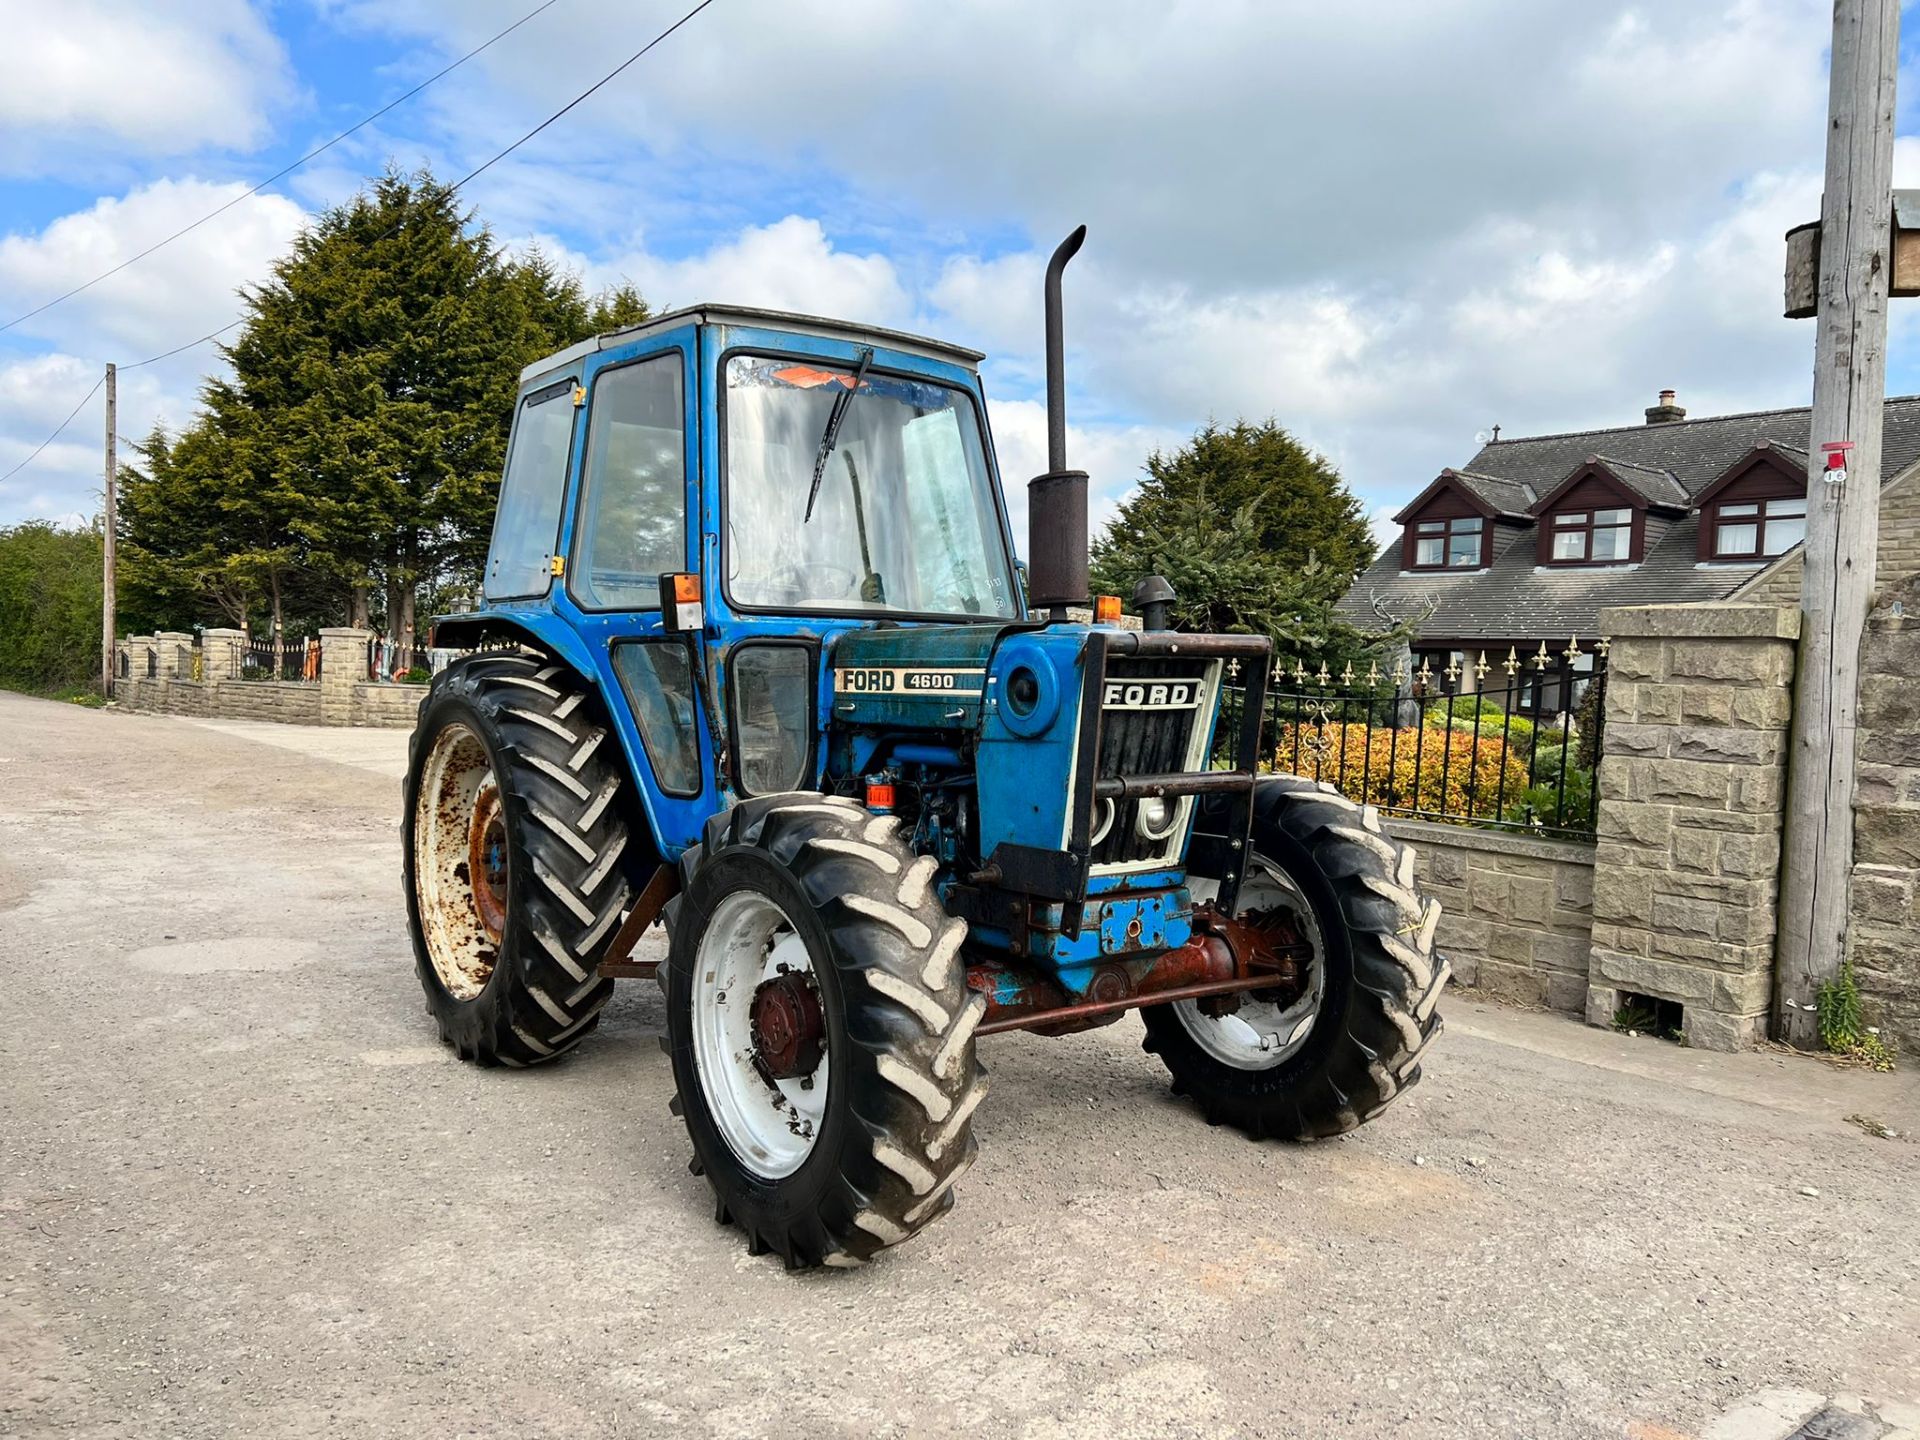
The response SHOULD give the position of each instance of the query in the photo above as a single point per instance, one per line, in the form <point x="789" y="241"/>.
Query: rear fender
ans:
<point x="546" y="631"/>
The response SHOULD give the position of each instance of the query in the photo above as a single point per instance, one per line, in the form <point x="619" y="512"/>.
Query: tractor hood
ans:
<point x="927" y="677"/>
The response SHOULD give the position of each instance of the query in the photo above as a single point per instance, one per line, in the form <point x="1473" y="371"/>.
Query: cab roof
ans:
<point x="764" y="319"/>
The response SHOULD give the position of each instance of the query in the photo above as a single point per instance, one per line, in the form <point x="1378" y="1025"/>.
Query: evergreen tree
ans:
<point x="354" y="457"/>
<point x="1256" y="534"/>
<point x="1302" y="508"/>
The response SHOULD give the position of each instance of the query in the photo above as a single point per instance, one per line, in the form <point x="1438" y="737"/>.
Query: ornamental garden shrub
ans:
<point x="1430" y="771"/>
<point x="1462" y="712"/>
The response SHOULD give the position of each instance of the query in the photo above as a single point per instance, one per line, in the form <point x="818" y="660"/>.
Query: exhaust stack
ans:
<point x="1057" y="500"/>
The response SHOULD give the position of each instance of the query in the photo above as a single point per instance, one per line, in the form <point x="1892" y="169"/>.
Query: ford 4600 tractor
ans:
<point x="757" y="663"/>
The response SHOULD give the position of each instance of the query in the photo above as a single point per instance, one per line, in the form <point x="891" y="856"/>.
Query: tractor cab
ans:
<point x="689" y="453"/>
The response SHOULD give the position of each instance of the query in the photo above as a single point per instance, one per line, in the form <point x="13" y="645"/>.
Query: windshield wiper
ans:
<point x="831" y="435"/>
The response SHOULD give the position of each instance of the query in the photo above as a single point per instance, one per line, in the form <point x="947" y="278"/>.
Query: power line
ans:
<point x="473" y="174"/>
<point x="282" y="173"/>
<point x="470" y="175"/>
<point x="56" y="434"/>
<point x="190" y="345"/>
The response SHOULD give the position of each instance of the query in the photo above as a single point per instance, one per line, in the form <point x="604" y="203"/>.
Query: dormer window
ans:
<point x="1593" y="537"/>
<point x="1758" y="529"/>
<point x="1452" y="544"/>
<point x="1757" y="510"/>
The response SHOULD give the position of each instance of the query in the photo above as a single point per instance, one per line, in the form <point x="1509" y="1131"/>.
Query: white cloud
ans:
<point x="176" y="294"/>
<point x="1232" y="144"/>
<point x="173" y="296"/>
<point x="1111" y="455"/>
<point x="141" y="78"/>
<point x="788" y="265"/>
<point x="1388" y="235"/>
<point x="1381" y="526"/>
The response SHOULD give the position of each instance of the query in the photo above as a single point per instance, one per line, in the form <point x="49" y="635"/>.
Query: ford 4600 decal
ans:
<point x="904" y="680"/>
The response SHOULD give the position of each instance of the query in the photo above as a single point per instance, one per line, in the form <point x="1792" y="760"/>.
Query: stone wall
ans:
<point x="391" y="706"/>
<point x="341" y="696"/>
<point x="1691" y="788"/>
<point x="1516" y="913"/>
<point x="163" y="696"/>
<point x="1883" y="927"/>
<point x="290" y="701"/>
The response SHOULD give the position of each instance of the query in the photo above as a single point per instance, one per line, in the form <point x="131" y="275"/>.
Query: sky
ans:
<point x="1389" y="227"/>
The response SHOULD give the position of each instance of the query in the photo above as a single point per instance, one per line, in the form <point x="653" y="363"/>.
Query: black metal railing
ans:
<point x="261" y="657"/>
<point x="1469" y="744"/>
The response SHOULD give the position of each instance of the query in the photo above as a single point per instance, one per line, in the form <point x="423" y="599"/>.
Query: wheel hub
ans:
<point x="789" y="1034"/>
<point x="1265" y="1027"/>
<point x="487" y="861"/>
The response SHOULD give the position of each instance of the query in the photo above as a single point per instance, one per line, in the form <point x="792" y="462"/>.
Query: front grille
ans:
<point x="1145" y="742"/>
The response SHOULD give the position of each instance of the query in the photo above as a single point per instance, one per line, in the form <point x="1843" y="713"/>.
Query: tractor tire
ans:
<point x="519" y="858"/>
<point x="1341" y="1053"/>
<point x="806" y="895"/>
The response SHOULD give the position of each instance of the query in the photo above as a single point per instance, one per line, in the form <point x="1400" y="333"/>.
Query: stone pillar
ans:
<point x="174" y="647"/>
<point x="343" y="665"/>
<point x="1691" y="789"/>
<point x="224" y="649"/>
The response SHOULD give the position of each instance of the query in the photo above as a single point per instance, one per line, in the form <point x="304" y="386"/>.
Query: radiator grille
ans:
<point x="1145" y="742"/>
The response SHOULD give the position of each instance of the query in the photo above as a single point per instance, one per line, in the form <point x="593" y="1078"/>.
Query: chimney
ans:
<point x="1666" y="412"/>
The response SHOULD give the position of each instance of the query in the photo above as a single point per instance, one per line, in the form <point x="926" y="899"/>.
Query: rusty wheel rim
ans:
<point x="460" y="862"/>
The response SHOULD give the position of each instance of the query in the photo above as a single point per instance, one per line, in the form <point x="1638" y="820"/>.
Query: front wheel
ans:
<point x="821" y="1030"/>
<point x="1336" y="1047"/>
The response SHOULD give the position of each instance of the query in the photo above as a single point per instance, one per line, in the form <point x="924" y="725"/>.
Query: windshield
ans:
<point x="904" y="520"/>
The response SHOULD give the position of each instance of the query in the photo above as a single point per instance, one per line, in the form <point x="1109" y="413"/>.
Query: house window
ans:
<point x="1448" y="544"/>
<point x="1592" y="537"/>
<point x="1758" y="529"/>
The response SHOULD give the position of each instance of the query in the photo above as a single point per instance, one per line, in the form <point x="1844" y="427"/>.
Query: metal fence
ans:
<point x="262" y="657"/>
<point x="1485" y="744"/>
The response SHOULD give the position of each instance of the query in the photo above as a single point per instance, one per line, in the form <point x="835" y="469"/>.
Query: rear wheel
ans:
<point x="1318" y="1057"/>
<point x="821" y="1030"/>
<point x="519" y="861"/>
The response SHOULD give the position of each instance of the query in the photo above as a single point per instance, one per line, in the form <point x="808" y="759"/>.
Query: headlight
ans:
<point x="1026" y="685"/>
<point x="1155" y="817"/>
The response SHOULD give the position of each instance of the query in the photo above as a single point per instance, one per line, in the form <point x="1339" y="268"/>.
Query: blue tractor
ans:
<point x="757" y="663"/>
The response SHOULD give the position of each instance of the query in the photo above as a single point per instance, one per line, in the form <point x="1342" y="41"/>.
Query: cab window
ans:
<point x="633" y="505"/>
<point x="526" y="526"/>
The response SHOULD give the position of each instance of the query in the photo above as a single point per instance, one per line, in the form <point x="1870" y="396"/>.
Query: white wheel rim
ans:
<point x="455" y="773"/>
<point x="1261" y="1034"/>
<point x="770" y="1125"/>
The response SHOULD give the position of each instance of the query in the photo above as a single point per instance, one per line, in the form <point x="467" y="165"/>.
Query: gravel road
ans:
<point x="244" y="1191"/>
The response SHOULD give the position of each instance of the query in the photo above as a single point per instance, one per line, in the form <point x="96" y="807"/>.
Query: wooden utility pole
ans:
<point x="1843" y="519"/>
<point x="112" y="525"/>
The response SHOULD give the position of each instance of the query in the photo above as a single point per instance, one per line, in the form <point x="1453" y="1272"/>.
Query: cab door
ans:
<point x="635" y="519"/>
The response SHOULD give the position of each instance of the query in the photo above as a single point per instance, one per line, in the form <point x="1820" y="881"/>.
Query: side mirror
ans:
<point x="680" y="603"/>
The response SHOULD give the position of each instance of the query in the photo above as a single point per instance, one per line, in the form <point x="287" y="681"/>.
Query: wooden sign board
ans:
<point x="1803" y="258"/>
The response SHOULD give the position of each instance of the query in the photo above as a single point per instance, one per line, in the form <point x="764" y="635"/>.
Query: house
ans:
<point x="1521" y="548"/>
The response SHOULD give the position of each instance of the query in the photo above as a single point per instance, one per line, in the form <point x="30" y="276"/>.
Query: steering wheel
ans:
<point x="814" y="580"/>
